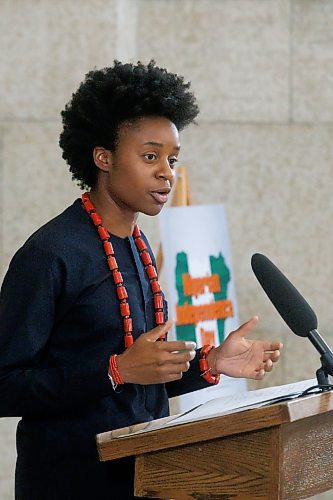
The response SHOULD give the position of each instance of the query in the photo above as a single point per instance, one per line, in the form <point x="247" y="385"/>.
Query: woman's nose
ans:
<point x="166" y="171"/>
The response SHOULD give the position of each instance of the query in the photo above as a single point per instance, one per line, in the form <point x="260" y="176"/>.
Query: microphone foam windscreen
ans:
<point x="289" y="303"/>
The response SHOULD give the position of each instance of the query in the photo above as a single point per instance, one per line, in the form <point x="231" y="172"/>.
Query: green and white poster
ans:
<point x="201" y="290"/>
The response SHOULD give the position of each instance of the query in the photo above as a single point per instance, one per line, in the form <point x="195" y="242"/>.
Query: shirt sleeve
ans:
<point x="30" y="296"/>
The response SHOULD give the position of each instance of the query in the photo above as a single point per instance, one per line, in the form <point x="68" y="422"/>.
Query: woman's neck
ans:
<point x="116" y="220"/>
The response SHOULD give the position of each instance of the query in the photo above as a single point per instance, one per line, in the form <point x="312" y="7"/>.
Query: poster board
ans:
<point x="201" y="289"/>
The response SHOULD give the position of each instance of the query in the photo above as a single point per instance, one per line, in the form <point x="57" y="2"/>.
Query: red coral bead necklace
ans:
<point x="149" y="267"/>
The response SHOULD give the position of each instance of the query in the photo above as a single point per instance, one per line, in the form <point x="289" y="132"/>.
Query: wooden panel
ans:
<point x="193" y="432"/>
<point x="310" y="405"/>
<point x="239" y="467"/>
<point x="307" y="450"/>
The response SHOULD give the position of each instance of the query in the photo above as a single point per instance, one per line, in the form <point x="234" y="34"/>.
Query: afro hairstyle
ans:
<point x="115" y="95"/>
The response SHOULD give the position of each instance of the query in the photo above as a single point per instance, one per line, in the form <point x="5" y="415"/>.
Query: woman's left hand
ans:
<point x="239" y="356"/>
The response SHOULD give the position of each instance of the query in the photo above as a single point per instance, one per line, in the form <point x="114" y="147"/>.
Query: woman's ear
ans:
<point x="102" y="158"/>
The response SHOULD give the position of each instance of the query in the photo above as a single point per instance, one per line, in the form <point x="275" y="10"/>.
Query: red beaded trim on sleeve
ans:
<point x="204" y="367"/>
<point x="113" y="370"/>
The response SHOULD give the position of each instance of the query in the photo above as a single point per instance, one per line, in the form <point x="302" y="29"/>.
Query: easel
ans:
<point x="181" y="197"/>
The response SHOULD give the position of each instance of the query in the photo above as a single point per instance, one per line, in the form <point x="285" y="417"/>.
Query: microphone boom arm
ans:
<point x="319" y="343"/>
<point x="326" y="357"/>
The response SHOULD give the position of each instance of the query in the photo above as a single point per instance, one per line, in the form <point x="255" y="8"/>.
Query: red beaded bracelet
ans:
<point x="114" y="374"/>
<point x="204" y="367"/>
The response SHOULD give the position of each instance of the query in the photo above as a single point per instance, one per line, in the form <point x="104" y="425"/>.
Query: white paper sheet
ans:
<point x="228" y="404"/>
<point x="222" y="406"/>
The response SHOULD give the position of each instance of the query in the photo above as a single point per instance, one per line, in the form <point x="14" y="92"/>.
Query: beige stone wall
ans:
<point x="263" y="72"/>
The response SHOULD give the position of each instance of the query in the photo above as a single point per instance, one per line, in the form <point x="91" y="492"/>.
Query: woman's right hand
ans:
<point x="149" y="361"/>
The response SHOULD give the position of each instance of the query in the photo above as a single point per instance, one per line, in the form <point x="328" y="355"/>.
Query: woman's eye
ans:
<point x="172" y="161"/>
<point x="150" y="156"/>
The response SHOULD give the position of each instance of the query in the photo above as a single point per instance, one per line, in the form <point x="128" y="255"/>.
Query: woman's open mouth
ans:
<point x="160" y="197"/>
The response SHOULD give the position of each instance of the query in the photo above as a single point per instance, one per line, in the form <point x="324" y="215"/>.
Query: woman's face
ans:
<point x="141" y="169"/>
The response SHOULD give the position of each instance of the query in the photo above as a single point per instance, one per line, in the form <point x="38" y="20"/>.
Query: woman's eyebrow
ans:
<point x="158" y="144"/>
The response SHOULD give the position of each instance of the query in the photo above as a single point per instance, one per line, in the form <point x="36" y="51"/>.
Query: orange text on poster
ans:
<point x="189" y="314"/>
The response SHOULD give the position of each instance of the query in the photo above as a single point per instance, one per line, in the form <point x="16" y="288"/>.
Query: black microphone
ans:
<point x="291" y="306"/>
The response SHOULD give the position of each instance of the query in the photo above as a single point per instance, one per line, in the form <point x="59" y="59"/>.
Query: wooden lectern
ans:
<point x="281" y="451"/>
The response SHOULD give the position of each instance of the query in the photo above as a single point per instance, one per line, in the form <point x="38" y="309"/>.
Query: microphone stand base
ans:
<point x="322" y="376"/>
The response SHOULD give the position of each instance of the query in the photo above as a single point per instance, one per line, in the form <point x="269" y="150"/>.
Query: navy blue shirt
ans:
<point x="59" y="324"/>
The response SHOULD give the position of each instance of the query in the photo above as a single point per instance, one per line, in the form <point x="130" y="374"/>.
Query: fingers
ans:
<point x="161" y="330"/>
<point x="268" y="366"/>
<point x="272" y="355"/>
<point x="259" y="375"/>
<point x="272" y="346"/>
<point x="246" y="327"/>
<point x="174" y="357"/>
<point x="276" y="346"/>
<point x="173" y="371"/>
<point x="158" y="331"/>
<point x="179" y="359"/>
<point x="261" y="370"/>
<point x="178" y="368"/>
<point x="172" y="346"/>
<point x="176" y="346"/>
